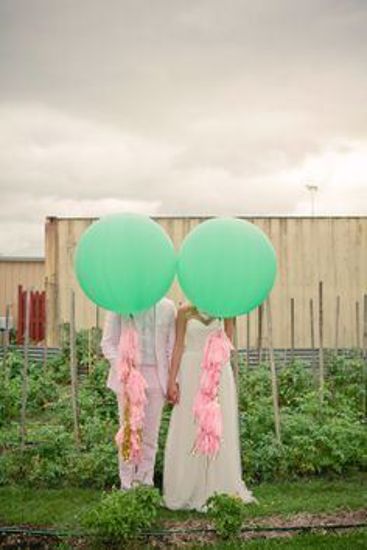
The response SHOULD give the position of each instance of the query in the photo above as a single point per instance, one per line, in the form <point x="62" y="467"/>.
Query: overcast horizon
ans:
<point x="185" y="108"/>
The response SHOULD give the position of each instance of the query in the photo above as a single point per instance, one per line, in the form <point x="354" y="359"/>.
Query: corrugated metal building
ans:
<point x="309" y="250"/>
<point x="14" y="271"/>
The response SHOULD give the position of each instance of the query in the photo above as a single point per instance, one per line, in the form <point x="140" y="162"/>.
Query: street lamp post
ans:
<point x="312" y="189"/>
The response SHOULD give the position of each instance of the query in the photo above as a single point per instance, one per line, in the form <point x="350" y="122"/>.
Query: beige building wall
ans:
<point x="28" y="272"/>
<point x="309" y="250"/>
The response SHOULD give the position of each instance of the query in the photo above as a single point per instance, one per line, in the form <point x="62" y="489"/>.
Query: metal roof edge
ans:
<point x="22" y="259"/>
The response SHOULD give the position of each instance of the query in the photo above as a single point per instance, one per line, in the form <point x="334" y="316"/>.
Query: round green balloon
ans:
<point x="226" y="267"/>
<point x="125" y="263"/>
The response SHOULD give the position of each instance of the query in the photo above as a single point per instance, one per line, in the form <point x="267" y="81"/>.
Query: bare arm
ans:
<point x="177" y="355"/>
<point x="229" y="325"/>
<point x="171" y="333"/>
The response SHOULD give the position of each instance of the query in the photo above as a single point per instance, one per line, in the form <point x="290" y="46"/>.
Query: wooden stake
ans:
<point x="364" y="409"/>
<point x="337" y="320"/>
<point x="292" y="329"/>
<point x="6" y="336"/>
<point x="248" y="340"/>
<point x="312" y="327"/>
<point x="45" y="345"/>
<point x="358" y="328"/>
<point x="73" y="370"/>
<point x="96" y="334"/>
<point x="97" y="318"/>
<point x="273" y="373"/>
<point x="23" y="428"/>
<point x="260" y="335"/>
<point x="89" y="350"/>
<point x="236" y="369"/>
<point x="321" y="343"/>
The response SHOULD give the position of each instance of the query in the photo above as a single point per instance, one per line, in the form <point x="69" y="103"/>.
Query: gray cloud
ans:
<point x="195" y="107"/>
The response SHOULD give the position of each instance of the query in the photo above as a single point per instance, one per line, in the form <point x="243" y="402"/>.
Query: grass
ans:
<point x="63" y="507"/>
<point x="46" y="507"/>
<point x="313" y="496"/>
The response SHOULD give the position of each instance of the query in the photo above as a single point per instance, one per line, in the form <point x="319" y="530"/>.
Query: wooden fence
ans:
<point x="37" y="315"/>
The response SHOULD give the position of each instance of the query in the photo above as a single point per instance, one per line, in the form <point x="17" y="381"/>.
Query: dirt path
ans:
<point x="200" y="531"/>
<point x="295" y="524"/>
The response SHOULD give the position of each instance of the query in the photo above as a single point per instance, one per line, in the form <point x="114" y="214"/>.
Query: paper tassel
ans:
<point x="206" y="408"/>
<point x="129" y="436"/>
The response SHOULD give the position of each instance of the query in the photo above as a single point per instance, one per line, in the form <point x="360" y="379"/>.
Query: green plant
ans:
<point x="227" y="513"/>
<point x="122" y="515"/>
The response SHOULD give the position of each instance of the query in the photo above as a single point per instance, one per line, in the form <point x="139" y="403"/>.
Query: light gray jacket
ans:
<point x="164" y="338"/>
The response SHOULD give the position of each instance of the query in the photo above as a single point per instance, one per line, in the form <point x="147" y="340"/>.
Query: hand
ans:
<point x="173" y="393"/>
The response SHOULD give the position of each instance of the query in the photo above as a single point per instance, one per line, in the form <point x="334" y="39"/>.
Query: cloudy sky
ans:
<point x="179" y="107"/>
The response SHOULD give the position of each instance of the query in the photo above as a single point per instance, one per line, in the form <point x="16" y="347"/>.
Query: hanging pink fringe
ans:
<point x="134" y="398"/>
<point x="206" y="408"/>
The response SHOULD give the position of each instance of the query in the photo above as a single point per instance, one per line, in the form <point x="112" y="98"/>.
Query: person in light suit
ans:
<point x="156" y="330"/>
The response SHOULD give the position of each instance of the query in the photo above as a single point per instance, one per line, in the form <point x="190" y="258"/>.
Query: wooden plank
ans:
<point x="43" y="317"/>
<point x="51" y="281"/>
<point x="333" y="250"/>
<point x="6" y="341"/>
<point x="31" y="319"/>
<point x="20" y="329"/>
<point x="38" y="323"/>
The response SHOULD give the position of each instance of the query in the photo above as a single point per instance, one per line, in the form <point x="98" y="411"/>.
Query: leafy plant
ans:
<point x="122" y="515"/>
<point x="227" y="513"/>
<point x="315" y="440"/>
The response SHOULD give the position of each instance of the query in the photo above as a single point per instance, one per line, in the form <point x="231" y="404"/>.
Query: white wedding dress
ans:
<point x="189" y="480"/>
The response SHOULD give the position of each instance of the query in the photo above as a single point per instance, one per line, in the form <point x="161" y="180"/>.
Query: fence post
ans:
<point x="97" y="317"/>
<point x="292" y="329"/>
<point x="358" y="328"/>
<point x="365" y="355"/>
<point x="235" y="354"/>
<point x="73" y="370"/>
<point x="337" y="320"/>
<point x="44" y="329"/>
<point x="248" y="340"/>
<point x="260" y="335"/>
<point x="89" y="350"/>
<point x="96" y="334"/>
<point x="23" y="429"/>
<point x="312" y="334"/>
<point x="321" y="343"/>
<point x="273" y="372"/>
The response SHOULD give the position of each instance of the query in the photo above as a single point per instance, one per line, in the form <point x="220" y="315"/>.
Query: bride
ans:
<point x="190" y="479"/>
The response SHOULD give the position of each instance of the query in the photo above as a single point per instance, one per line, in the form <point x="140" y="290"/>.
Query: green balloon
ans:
<point x="226" y="267"/>
<point x="125" y="263"/>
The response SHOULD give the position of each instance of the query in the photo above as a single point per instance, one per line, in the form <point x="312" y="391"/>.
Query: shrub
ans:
<point x="315" y="440"/>
<point x="122" y="515"/>
<point x="227" y="513"/>
<point x="95" y="468"/>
